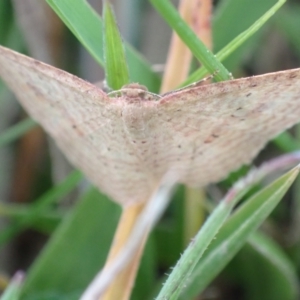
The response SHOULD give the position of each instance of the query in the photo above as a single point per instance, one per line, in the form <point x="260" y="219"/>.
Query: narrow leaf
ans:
<point x="286" y="142"/>
<point x="76" y="251"/>
<point x="236" y="42"/>
<point x="276" y="270"/>
<point x="12" y="292"/>
<point x="86" y="25"/>
<point x="172" y="17"/>
<point x="16" y="131"/>
<point x="116" y="69"/>
<point x="192" y="254"/>
<point x="46" y="221"/>
<point x="227" y="15"/>
<point x="235" y="232"/>
<point x="40" y="205"/>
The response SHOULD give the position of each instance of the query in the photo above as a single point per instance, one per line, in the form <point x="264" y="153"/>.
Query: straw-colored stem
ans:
<point x="197" y="14"/>
<point x="201" y="21"/>
<point x="121" y="287"/>
<point x="179" y="56"/>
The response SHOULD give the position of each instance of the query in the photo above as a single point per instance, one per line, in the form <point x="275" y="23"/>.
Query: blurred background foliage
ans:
<point x="49" y="215"/>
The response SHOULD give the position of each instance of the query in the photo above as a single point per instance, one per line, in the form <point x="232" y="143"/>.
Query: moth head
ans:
<point x="134" y="92"/>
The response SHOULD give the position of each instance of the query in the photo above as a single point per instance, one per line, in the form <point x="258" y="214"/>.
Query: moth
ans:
<point x="127" y="141"/>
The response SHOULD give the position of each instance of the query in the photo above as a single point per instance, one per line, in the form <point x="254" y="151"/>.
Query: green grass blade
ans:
<point x="236" y="42"/>
<point x="192" y="254"/>
<point x="116" y="70"/>
<point x="86" y="25"/>
<point x="41" y="205"/>
<point x="76" y="251"/>
<point x="275" y="269"/>
<point x="13" y="291"/>
<point x="205" y="56"/>
<point x="235" y="232"/>
<point x="16" y="131"/>
<point x="46" y="222"/>
<point x="241" y="38"/>
<point x="286" y="142"/>
<point x="227" y="15"/>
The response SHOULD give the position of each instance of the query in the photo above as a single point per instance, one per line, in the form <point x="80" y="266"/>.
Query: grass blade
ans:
<point x="276" y="269"/>
<point x="235" y="232"/>
<point x="46" y="222"/>
<point x="13" y="291"/>
<point x="286" y="142"/>
<point x="192" y="254"/>
<point x="116" y="69"/>
<point x="236" y="42"/>
<point x="40" y="205"/>
<point x="76" y="252"/>
<point x="16" y="131"/>
<point x="204" y="55"/>
<point x="86" y="25"/>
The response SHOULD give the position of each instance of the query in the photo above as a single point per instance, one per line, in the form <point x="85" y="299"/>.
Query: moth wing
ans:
<point x="216" y="128"/>
<point x="85" y="123"/>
